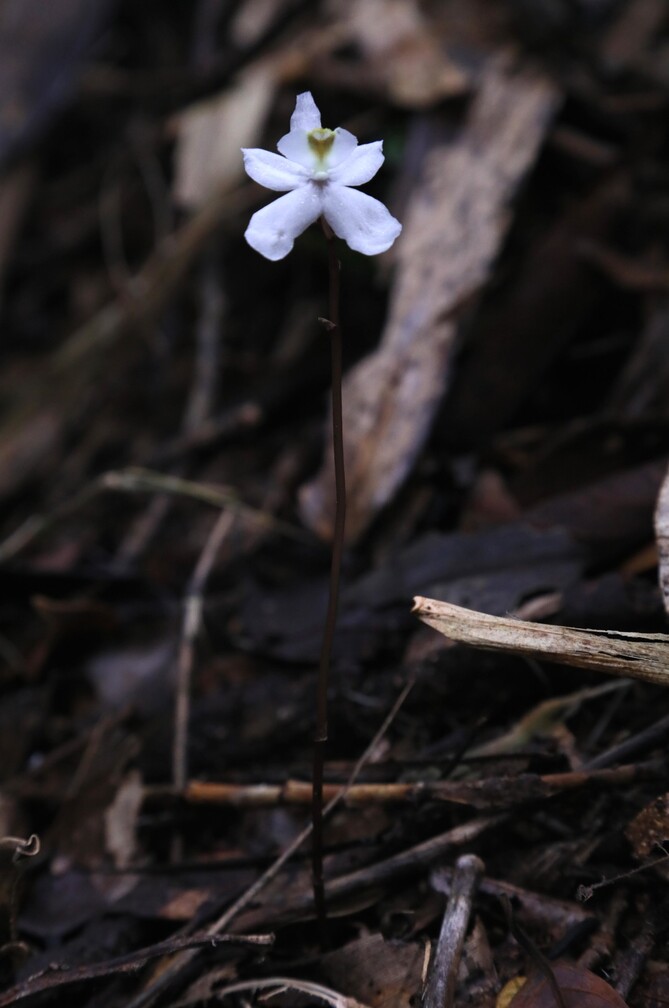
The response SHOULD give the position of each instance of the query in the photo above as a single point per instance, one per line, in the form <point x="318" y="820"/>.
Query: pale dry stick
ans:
<point x="141" y="531"/>
<point x="200" y="400"/>
<point x="639" y="655"/>
<point x="281" y="984"/>
<point x="409" y="861"/>
<point x="538" y="908"/>
<point x="35" y="525"/>
<point x="443" y="973"/>
<point x="180" y="962"/>
<point x="192" y="622"/>
<point x="202" y="394"/>
<point x="136" y="479"/>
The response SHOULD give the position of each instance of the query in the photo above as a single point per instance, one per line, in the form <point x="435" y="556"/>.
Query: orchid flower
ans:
<point x="316" y="171"/>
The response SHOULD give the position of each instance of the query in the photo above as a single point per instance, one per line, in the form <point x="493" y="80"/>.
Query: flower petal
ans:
<point x="360" y="166"/>
<point x="306" y="115"/>
<point x="273" y="230"/>
<point x="364" y="223"/>
<point x="295" y="147"/>
<point x="273" y="171"/>
<point x="343" y="146"/>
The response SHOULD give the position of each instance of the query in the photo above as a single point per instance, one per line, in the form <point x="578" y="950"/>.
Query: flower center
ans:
<point x="320" y="141"/>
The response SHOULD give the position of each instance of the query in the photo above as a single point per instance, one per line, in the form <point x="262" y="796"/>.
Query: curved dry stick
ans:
<point x="443" y="974"/>
<point x="639" y="655"/>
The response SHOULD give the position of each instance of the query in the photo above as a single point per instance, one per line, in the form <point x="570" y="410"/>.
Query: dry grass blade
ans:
<point x="639" y="655"/>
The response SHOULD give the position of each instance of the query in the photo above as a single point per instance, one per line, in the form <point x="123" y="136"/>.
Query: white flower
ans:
<point x="315" y="172"/>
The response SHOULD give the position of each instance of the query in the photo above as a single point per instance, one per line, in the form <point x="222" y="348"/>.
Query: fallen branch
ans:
<point x="488" y="793"/>
<point x="62" y="976"/>
<point x="639" y="655"/>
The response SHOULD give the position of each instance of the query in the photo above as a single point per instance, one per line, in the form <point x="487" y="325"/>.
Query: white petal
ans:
<point x="273" y="229"/>
<point x="272" y="171"/>
<point x="364" y="223"/>
<point x="360" y="166"/>
<point x="342" y="147"/>
<point x="295" y="147"/>
<point x="306" y="115"/>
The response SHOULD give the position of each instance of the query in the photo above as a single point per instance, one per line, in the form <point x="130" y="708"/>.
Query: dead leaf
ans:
<point x="639" y="655"/>
<point x="579" y="987"/>
<point x="379" y="972"/>
<point x="509" y="991"/>
<point x="400" y="48"/>
<point x="648" y="833"/>
<point x="540" y="720"/>
<point x="453" y="232"/>
<point x="211" y="133"/>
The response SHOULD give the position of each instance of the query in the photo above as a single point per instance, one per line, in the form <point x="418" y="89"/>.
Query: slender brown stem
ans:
<point x="321" y="727"/>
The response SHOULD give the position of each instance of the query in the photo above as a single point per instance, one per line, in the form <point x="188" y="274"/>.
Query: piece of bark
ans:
<point x="454" y="229"/>
<point x="639" y="655"/>
<point x="662" y="533"/>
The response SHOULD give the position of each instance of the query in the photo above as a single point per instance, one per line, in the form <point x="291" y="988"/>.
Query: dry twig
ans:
<point x="640" y="655"/>
<point x="440" y="986"/>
